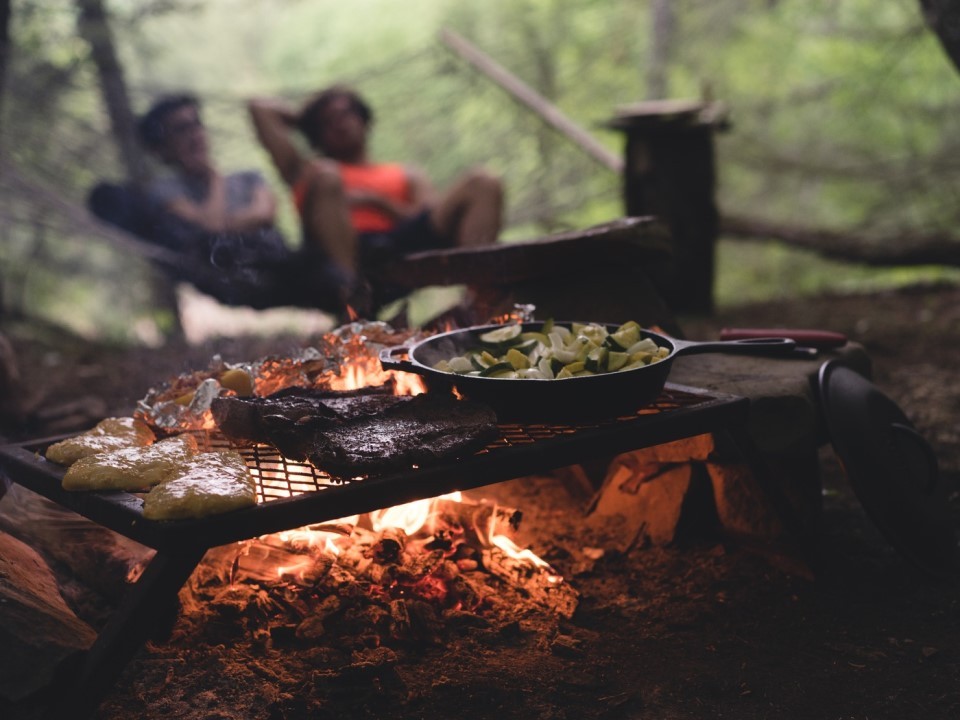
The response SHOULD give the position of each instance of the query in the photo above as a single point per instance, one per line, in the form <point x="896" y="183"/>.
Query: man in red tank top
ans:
<point x="359" y="212"/>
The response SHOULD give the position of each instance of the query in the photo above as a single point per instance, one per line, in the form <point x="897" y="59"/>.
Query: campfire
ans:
<point x="376" y="565"/>
<point x="391" y="575"/>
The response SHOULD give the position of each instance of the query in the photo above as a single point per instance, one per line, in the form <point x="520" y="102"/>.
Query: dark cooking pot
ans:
<point x="576" y="398"/>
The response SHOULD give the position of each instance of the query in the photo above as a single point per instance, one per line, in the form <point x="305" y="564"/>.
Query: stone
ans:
<point x="742" y="507"/>
<point x="784" y="414"/>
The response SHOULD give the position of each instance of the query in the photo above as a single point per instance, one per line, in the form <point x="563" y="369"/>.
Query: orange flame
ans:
<point x="410" y="517"/>
<point x="361" y="368"/>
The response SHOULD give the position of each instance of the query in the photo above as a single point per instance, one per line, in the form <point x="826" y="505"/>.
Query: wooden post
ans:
<point x="669" y="173"/>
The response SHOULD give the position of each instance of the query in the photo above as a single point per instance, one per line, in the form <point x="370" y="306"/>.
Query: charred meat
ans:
<point x="359" y="432"/>
<point x="421" y="431"/>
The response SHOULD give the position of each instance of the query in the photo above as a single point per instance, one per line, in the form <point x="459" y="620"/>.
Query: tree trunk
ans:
<point x="4" y="57"/>
<point x="546" y="85"/>
<point x="4" y="46"/>
<point x="943" y="17"/>
<point x="876" y="250"/>
<point x="94" y="28"/>
<point x="662" y="26"/>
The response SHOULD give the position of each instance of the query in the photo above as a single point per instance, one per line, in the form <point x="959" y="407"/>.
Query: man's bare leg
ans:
<point x="326" y="219"/>
<point x="471" y="211"/>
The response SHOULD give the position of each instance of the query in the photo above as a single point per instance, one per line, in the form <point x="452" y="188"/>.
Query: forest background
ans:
<point x="843" y="137"/>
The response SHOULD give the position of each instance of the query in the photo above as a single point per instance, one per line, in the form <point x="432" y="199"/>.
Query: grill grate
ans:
<point x="278" y="477"/>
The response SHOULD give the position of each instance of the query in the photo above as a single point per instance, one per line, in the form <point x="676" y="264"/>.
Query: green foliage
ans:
<point x="842" y="115"/>
<point x="845" y="114"/>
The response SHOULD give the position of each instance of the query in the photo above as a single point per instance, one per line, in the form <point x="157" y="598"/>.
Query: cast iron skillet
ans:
<point x="577" y="398"/>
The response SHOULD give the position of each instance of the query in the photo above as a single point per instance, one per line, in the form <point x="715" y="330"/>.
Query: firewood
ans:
<point x="100" y="558"/>
<point x="38" y="632"/>
<point x="543" y="588"/>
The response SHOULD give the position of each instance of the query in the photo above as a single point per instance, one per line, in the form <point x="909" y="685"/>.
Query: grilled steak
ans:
<point x="358" y="432"/>
<point x="295" y="411"/>
<point x="421" y="431"/>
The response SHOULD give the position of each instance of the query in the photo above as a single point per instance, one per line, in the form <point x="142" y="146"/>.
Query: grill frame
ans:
<point x="521" y="450"/>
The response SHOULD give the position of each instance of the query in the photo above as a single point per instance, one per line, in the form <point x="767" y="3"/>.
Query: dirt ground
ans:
<point x="707" y="629"/>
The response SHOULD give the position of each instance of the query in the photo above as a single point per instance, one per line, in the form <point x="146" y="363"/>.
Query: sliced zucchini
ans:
<point x="616" y="360"/>
<point x="501" y="334"/>
<point x="517" y="360"/>
<point x="626" y="336"/>
<point x="597" y="359"/>
<point x="460" y="365"/>
<point x="498" y="370"/>
<point x="556" y="351"/>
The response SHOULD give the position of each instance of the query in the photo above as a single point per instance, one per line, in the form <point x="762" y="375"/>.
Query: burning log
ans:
<point x="544" y="588"/>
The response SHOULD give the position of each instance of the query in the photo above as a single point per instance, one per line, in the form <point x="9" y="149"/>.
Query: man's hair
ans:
<point x="309" y="120"/>
<point x="151" y="127"/>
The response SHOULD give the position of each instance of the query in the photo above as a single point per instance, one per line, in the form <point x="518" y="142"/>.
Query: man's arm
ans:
<point x="273" y="122"/>
<point x="211" y="214"/>
<point x="261" y="212"/>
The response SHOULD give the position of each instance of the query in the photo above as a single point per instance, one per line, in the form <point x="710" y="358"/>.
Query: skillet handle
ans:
<point x="389" y="362"/>
<point x="820" y="339"/>
<point x="768" y="346"/>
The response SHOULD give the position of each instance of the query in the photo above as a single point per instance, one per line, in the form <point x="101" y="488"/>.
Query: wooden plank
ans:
<point x="634" y="240"/>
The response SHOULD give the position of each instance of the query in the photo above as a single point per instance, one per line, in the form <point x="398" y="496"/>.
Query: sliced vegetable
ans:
<point x="501" y="334"/>
<point x="556" y="352"/>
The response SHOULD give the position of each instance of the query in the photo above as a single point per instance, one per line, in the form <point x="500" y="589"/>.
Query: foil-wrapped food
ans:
<point x="183" y="402"/>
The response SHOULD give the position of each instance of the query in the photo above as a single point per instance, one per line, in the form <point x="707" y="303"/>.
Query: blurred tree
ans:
<point x="662" y="28"/>
<point x="94" y="27"/>
<point x="4" y="47"/>
<point x="943" y="17"/>
<point x="4" y="53"/>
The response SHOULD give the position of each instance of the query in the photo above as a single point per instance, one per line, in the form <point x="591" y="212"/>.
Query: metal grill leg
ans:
<point x="136" y="618"/>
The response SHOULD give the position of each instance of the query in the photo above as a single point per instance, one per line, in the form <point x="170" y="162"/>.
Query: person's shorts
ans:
<point x="415" y="234"/>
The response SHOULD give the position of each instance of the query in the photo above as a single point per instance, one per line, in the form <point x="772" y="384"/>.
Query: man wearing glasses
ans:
<point x="195" y="190"/>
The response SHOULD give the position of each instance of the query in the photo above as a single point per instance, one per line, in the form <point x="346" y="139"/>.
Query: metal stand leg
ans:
<point x="133" y="622"/>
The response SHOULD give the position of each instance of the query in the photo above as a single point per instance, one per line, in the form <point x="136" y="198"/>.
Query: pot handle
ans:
<point x="389" y="361"/>
<point x="767" y="346"/>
